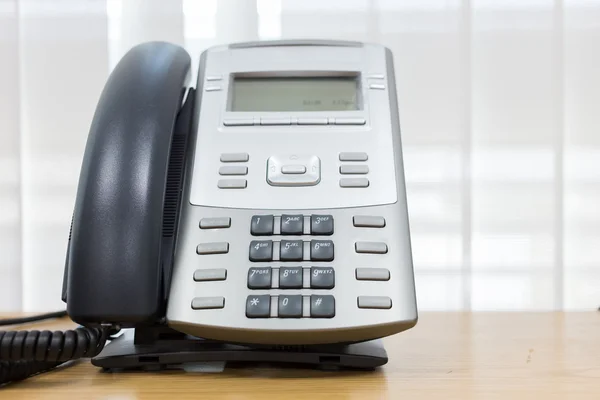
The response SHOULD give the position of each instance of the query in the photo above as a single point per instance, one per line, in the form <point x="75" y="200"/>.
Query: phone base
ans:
<point x="157" y="348"/>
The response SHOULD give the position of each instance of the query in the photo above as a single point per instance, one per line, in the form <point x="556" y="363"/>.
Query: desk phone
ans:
<point x="264" y="210"/>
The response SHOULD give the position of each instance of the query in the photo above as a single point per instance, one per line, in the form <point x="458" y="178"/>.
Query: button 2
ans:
<point x="292" y="224"/>
<point x="258" y="306"/>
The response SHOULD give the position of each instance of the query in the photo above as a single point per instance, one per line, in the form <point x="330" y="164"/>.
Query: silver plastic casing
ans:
<point x="385" y="197"/>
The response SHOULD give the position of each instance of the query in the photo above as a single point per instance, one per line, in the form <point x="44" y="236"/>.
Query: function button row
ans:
<point x="215" y="223"/>
<point x="291" y="278"/>
<point x="265" y="225"/>
<point x="212" y="274"/>
<point x="293" y="121"/>
<point x="233" y="170"/>
<point x="291" y="250"/>
<point x="368" y="221"/>
<point x="213" y="248"/>
<point x="354" y="169"/>
<point x="371" y="247"/>
<point x="290" y="306"/>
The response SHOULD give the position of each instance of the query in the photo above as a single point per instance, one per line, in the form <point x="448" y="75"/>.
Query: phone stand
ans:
<point x="161" y="347"/>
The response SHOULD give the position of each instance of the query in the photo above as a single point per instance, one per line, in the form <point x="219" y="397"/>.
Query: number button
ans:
<point x="261" y="250"/>
<point x="258" y="306"/>
<point x="322" y="278"/>
<point x="290" y="278"/>
<point x="259" y="278"/>
<point x="290" y="306"/>
<point x="321" y="224"/>
<point x="292" y="224"/>
<point x="291" y="250"/>
<point x="321" y="250"/>
<point x="322" y="306"/>
<point x="261" y="225"/>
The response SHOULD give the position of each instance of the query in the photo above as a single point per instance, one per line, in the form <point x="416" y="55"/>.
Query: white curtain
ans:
<point x="500" y="116"/>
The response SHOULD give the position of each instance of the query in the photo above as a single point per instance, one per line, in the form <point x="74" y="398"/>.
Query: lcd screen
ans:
<point x="295" y="94"/>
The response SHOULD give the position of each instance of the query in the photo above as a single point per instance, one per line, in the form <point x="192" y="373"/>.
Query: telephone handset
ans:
<point x="266" y="207"/>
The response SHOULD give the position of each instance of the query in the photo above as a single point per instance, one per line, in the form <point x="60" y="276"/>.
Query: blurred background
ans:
<point x="500" y="115"/>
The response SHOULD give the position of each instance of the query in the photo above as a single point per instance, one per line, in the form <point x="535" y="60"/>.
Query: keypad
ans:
<point x="291" y="250"/>
<point x="321" y="250"/>
<point x="289" y="306"/>
<point x="261" y="225"/>
<point x="261" y="250"/>
<point x="259" y="278"/>
<point x="292" y="224"/>
<point x="290" y="277"/>
<point x="322" y="278"/>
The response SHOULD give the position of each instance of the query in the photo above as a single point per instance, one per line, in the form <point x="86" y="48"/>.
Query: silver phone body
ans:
<point x="270" y="137"/>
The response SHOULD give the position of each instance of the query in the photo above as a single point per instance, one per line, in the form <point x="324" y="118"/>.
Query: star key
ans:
<point x="258" y="306"/>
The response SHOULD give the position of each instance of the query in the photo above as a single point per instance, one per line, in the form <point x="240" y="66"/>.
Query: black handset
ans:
<point x="113" y="268"/>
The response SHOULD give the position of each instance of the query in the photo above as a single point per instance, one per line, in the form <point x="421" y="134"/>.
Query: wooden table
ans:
<point x="446" y="356"/>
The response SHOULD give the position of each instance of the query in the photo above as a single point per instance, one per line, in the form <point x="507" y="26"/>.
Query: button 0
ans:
<point x="293" y="169"/>
<point x="261" y="250"/>
<point x="353" y="156"/>
<point x="289" y="306"/>
<point x="354" y="182"/>
<point x="233" y="170"/>
<point x="232" y="183"/>
<point x="372" y="274"/>
<point x="234" y="157"/>
<point x="322" y="306"/>
<point x="383" y="302"/>
<point x="258" y="306"/>
<point x="292" y="224"/>
<point x="213" y="248"/>
<point x="354" y="169"/>
<point x="322" y="278"/>
<point x="368" y="221"/>
<point x="261" y="225"/>
<point x="214" y="223"/>
<point x="259" y="278"/>
<point x="207" y="303"/>
<point x="291" y="250"/>
<point x="214" y="274"/>
<point x="371" y="247"/>
<point x="321" y="250"/>
<point x="290" y="278"/>
<point x="321" y="224"/>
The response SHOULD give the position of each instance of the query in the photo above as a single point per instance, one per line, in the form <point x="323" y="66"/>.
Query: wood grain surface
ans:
<point x="446" y="356"/>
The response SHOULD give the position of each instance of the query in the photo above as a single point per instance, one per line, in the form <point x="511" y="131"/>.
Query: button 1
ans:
<point x="214" y="223"/>
<point x="353" y="156"/>
<point x="275" y="121"/>
<point x="374" y="302"/>
<point x="377" y="86"/>
<point x="234" y="157"/>
<point x="372" y="274"/>
<point x="322" y="278"/>
<point x="312" y="121"/>
<point x="258" y="306"/>
<point x="232" y="183"/>
<point x="261" y="225"/>
<point x="321" y="224"/>
<point x="321" y="250"/>
<point x="259" y="278"/>
<point x="214" y="88"/>
<point x="261" y="250"/>
<point x="371" y="247"/>
<point x="233" y="170"/>
<point x="354" y="169"/>
<point x="207" y="303"/>
<point x="290" y="306"/>
<point x="292" y="224"/>
<point x="350" y="121"/>
<point x="238" y="122"/>
<point x="290" y="278"/>
<point x="322" y="306"/>
<point x="293" y="169"/>
<point x="367" y="221"/>
<point x="212" y="248"/>
<point x="214" y="274"/>
<point x="354" y="182"/>
<point x="291" y="250"/>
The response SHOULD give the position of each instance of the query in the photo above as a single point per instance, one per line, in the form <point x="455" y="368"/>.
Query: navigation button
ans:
<point x="258" y="306"/>
<point x="276" y="176"/>
<point x="293" y="169"/>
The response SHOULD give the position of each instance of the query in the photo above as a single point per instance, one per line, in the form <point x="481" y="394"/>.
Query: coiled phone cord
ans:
<point x="26" y="353"/>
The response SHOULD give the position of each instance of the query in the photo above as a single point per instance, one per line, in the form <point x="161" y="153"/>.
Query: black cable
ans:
<point x="26" y="353"/>
<point x="33" y="318"/>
